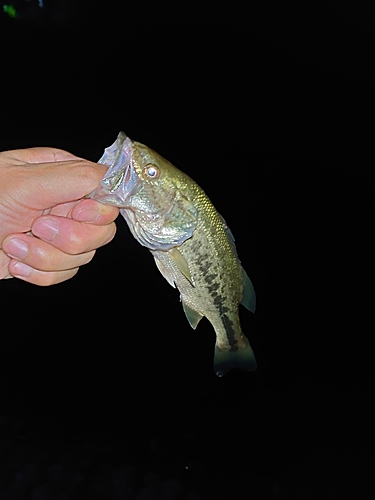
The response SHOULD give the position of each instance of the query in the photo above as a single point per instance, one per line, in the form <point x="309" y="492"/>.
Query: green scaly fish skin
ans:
<point x="193" y="248"/>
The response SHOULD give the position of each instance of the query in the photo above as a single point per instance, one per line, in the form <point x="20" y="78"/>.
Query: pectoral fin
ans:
<point x="193" y="316"/>
<point x="181" y="263"/>
<point x="248" y="299"/>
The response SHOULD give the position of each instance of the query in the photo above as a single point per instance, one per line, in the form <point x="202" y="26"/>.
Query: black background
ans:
<point x="269" y="109"/>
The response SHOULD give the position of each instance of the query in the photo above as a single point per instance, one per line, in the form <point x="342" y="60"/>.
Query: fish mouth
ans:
<point x="120" y="180"/>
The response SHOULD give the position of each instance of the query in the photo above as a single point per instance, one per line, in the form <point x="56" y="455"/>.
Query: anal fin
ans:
<point x="193" y="316"/>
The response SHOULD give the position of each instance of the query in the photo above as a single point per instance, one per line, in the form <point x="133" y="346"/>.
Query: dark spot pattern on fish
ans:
<point x="213" y="288"/>
<point x="218" y="302"/>
<point x="204" y="264"/>
<point x="230" y="331"/>
<point x="209" y="278"/>
<point x="227" y="322"/>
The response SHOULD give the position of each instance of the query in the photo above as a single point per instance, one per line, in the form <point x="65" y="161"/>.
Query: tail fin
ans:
<point x="243" y="358"/>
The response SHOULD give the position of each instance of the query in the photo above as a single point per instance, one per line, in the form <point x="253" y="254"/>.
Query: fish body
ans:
<point x="193" y="248"/>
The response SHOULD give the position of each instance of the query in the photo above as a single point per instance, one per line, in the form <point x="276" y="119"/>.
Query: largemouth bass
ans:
<point x="193" y="248"/>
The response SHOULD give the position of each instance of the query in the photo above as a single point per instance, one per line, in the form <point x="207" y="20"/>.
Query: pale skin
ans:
<point x="47" y="229"/>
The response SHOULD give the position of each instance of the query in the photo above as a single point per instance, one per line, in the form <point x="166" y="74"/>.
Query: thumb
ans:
<point x="39" y="155"/>
<point x="43" y="185"/>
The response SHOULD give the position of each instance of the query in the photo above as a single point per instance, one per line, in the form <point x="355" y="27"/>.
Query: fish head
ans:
<point x="151" y="193"/>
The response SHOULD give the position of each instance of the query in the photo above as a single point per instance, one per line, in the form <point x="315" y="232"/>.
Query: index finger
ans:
<point x="40" y="155"/>
<point x="93" y="212"/>
<point x="67" y="235"/>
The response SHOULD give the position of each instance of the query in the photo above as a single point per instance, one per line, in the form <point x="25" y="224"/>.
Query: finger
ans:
<point x="93" y="212"/>
<point x="62" y="209"/>
<point x="86" y="210"/>
<point x="26" y="273"/>
<point x="41" y="155"/>
<point x="45" y="185"/>
<point x="71" y="236"/>
<point x="4" y="263"/>
<point x="41" y="255"/>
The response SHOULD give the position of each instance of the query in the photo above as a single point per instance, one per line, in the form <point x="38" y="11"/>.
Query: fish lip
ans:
<point x="120" y="180"/>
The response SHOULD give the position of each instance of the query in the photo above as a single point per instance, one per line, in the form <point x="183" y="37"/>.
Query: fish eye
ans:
<point x="152" y="171"/>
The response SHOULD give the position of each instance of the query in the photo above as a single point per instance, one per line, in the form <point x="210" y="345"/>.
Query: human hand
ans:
<point x="47" y="231"/>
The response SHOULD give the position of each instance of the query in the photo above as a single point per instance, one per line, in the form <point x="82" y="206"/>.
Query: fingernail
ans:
<point x="16" y="248"/>
<point x="87" y="214"/>
<point x="45" y="229"/>
<point x="21" y="270"/>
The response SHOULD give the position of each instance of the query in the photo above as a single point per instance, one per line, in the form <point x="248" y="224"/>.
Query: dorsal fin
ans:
<point x="248" y="299"/>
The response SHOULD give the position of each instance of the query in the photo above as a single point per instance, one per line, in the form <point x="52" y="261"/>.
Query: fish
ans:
<point x="193" y="248"/>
